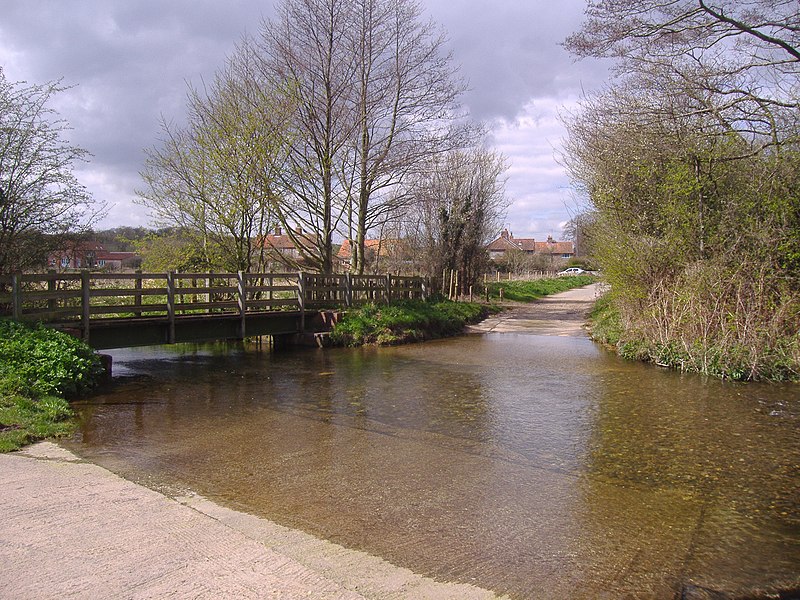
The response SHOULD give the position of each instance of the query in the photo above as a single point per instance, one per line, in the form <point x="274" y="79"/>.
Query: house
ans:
<point x="508" y="243"/>
<point x="91" y="255"/>
<point x="382" y="255"/>
<point x="554" y="249"/>
<point x="281" y="247"/>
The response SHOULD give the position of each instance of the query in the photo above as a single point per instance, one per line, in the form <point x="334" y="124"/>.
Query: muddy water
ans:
<point x="540" y="467"/>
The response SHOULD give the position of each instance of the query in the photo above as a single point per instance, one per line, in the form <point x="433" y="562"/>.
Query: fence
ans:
<point x="85" y="296"/>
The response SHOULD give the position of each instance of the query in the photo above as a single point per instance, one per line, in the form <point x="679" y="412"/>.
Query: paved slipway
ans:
<point x="71" y="529"/>
<point x="561" y="314"/>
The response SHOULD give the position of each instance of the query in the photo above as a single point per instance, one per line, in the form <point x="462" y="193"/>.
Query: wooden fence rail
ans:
<point x="84" y="297"/>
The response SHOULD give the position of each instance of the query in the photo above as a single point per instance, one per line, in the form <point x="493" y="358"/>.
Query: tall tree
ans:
<point x="377" y="98"/>
<point x="405" y="107"/>
<point x="303" y="48"/>
<point x="215" y="177"/>
<point x="41" y="201"/>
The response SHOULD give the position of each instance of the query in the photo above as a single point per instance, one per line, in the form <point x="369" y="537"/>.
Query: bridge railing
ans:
<point x="86" y="296"/>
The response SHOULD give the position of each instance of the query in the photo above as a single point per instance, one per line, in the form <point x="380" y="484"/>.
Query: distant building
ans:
<point x="281" y="248"/>
<point x="508" y="243"/>
<point x="499" y="248"/>
<point x="565" y="250"/>
<point x="91" y="255"/>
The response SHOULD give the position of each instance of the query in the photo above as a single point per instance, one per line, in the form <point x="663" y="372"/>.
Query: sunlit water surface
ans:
<point x="540" y="467"/>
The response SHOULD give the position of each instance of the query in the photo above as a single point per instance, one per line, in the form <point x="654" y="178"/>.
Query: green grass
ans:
<point x="405" y="322"/>
<point x="528" y="291"/>
<point x="39" y="369"/>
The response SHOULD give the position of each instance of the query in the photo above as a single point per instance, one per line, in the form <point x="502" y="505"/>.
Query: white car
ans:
<point x="572" y="271"/>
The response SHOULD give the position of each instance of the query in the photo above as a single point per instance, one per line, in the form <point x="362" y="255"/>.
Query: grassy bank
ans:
<point x="778" y="361"/>
<point x="528" y="291"/>
<point x="39" y="369"/>
<point x="405" y="322"/>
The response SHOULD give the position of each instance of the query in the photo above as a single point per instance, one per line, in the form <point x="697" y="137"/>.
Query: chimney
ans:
<point x="298" y="230"/>
<point x="550" y="239"/>
<point x="505" y="234"/>
<point x="278" y="230"/>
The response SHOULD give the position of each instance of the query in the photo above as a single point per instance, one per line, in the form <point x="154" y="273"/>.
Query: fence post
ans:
<point x="301" y="299"/>
<point x="137" y="298"/>
<point x="16" y="296"/>
<point x="51" y="287"/>
<point x="85" y="303"/>
<point x="424" y="288"/>
<point x="240" y="284"/>
<point x="348" y="289"/>
<point x="171" y="306"/>
<point x="388" y="288"/>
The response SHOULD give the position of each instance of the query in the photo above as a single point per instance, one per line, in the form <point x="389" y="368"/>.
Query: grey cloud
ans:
<point x="130" y="61"/>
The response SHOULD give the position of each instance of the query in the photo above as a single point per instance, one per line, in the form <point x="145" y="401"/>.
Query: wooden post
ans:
<point x="424" y="288"/>
<point x="301" y="299"/>
<point x="16" y="296"/>
<point x="388" y="288"/>
<point x="501" y="294"/>
<point x="348" y="289"/>
<point x="241" y="289"/>
<point x="171" y="306"/>
<point x="137" y="298"/>
<point x="444" y="280"/>
<point x="85" y="304"/>
<point x="470" y="293"/>
<point x="51" y="287"/>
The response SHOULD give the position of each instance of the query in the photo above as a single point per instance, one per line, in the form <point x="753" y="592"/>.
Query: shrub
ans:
<point x="39" y="361"/>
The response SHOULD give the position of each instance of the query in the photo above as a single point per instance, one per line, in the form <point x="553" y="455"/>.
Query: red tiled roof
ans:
<point x="553" y="247"/>
<point x="346" y="251"/>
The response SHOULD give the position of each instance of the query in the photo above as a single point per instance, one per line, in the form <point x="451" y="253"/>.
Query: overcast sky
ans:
<point x="130" y="60"/>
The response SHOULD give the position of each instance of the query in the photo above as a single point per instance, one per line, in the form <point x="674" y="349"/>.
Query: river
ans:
<point x="533" y="465"/>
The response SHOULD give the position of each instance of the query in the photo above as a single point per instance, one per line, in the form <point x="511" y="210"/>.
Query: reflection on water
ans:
<point x="541" y="467"/>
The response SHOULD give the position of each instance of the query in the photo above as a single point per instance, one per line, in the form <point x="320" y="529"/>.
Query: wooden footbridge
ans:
<point x="117" y="310"/>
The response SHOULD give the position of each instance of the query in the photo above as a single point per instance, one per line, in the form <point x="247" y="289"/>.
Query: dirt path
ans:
<point x="561" y="314"/>
<point x="70" y="529"/>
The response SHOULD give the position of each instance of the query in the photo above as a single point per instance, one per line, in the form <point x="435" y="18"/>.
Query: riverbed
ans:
<point x="539" y="466"/>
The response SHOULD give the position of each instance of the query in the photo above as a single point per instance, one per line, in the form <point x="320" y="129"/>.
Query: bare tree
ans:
<point x="405" y="109"/>
<point x="737" y="61"/>
<point x="303" y="49"/>
<point x="41" y="201"/>
<point x="459" y="205"/>
<point x="215" y="178"/>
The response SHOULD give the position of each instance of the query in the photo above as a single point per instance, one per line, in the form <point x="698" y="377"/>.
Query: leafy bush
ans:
<point x="39" y="361"/>
<point x="39" y="366"/>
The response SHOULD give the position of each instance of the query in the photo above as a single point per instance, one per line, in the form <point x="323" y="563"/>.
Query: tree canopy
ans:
<point x="41" y="201"/>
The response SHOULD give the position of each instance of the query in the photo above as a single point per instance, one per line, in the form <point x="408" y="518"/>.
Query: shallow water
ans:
<point x="541" y="467"/>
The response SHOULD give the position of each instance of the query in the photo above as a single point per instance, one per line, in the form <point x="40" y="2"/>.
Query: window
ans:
<point x="64" y="261"/>
<point x="565" y="255"/>
<point x="101" y="262"/>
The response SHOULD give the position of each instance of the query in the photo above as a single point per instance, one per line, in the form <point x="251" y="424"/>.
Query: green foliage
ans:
<point x="527" y="291"/>
<point x="38" y="367"/>
<point x="765" y="356"/>
<point x="42" y="361"/>
<point x="405" y="322"/>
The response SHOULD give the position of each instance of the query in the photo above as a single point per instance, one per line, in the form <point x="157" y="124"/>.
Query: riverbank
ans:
<point x="71" y="529"/>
